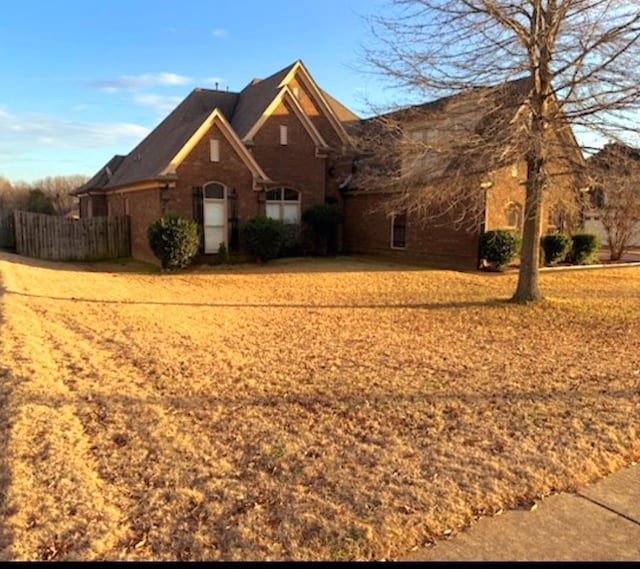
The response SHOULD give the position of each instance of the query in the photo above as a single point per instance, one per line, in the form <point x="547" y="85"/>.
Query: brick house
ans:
<point x="277" y="147"/>
<point x="373" y="226"/>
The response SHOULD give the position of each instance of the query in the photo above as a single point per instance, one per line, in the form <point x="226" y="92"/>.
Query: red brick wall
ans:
<point x="508" y="186"/>
<point x="197" y="169"/>
<point x="144" y="208"/>
<point x="294" y="165"/>
<point x="367" y="229"/>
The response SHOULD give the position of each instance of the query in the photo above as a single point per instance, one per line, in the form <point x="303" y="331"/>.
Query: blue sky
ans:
<point x="82" y="81"/>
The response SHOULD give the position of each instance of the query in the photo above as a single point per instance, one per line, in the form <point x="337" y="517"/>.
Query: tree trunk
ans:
<point x="528" y="289"/>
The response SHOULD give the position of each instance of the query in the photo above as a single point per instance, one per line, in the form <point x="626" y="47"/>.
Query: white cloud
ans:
<point x="132" y="82"/>
<point x="36" y="145"/>
<point x="26" y="133"/>
<point x="162" y="104"/>
<point x="219" y="33"/>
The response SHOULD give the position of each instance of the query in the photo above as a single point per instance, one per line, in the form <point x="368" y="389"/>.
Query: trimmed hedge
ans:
<point x="264" y="237"/>
<point x="556" y="247"/>
<point x="324" y="219"/>
<point x="174" y="239"/>
<point x="584" y="249"/>
<point x="500" y="246"/>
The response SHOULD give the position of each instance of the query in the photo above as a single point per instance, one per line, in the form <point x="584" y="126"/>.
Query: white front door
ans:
<point x="215" y="217"/>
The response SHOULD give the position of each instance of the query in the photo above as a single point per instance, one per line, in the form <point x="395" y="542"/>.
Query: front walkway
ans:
<point x="600" y="522"/>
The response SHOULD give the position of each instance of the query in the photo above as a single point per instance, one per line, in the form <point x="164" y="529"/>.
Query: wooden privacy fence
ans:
<point x="65" y="239"/>
<point x="7" y="230"/>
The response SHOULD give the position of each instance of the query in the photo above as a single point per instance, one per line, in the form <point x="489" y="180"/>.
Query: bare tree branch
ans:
<point x="554" y="65"/>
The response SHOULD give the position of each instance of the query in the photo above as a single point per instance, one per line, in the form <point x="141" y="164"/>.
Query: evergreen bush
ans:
<point x="556" y="247"/>
<point x="584" y="249"/>
<point x="264" y="237"/>
<point x="174" y="239"/>
<point x="499" y="247"/>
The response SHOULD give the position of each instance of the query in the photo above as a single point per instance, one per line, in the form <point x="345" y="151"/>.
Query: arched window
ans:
<point x="513" y="215"/>
<point x="283" y="204"/>
<point x="213" y="191"/>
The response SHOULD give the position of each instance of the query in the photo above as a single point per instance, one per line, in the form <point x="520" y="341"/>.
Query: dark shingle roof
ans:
<point x="102" y="177"/>
<point x="343" y="114"/>
<point x="254" y="99"/>
<point x="463" y="125"/>
<point x="153" y="154"/>
<point x="242" y="110"/>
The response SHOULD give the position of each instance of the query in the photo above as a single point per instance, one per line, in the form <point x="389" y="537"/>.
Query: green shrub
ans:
<point x="499" y="247"/>
<point x="324" y="220"/>
<point x="291" y="245"/>
<point x="264" y="237"/>
<point x="223" y="253"/>
<point x="174" y="239"/>
<point x="584" y="249"/>
<point x="556" y="246"/>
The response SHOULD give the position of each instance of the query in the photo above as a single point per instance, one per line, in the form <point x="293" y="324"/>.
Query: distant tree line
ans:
<point x="50" y="195"/>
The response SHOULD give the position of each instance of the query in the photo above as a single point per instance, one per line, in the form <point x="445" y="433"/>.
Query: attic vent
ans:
<point x="109" y="172"/>
<point x="137" y="157"/>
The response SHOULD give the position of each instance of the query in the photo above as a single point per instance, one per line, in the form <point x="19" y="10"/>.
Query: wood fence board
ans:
<point x="64" y="239"/>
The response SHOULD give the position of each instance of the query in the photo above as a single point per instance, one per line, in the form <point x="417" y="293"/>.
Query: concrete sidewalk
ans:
<point x="600" y="522"/>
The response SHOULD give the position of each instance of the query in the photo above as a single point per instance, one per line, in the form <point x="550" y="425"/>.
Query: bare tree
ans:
<point x="615" y="172"/>
<point x="54" y="190"/>
<point x="57" y="188"/>
<point x="6" y="190"/>
<point x="578" y="62"/>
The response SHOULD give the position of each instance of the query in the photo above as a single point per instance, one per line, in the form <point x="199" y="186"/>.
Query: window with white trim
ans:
<point x="283" y="204"/>
<point x="214" y="150"/>
<point x="284" y="135"/>
<point x="513" y="215"/>
<point x="399" y="230"/>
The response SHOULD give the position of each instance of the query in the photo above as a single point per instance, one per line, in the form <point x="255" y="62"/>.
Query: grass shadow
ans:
<point x="338" y="264"/>
<point x="490" y="303"/>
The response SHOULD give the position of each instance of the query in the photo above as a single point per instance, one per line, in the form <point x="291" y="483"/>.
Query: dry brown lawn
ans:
<point x="334" y="409"/>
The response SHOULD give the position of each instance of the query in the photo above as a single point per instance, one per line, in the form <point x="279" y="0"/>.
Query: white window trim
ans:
<point x="520" y="213"/>
<point x="282" y="202"/>
<point x="284" y="135"/>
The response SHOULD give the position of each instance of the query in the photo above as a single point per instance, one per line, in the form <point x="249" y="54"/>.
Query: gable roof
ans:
<point x="156" y="157"/>
<point x="151" y="156"/>
<point x="216" y="117"/>
<point x="462" y="133"/>
<point x="254" y="99"/>
<point x="342" y="113"/>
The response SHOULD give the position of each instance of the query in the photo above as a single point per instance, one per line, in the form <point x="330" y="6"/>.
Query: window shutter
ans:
<point x="198" y="213"/>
